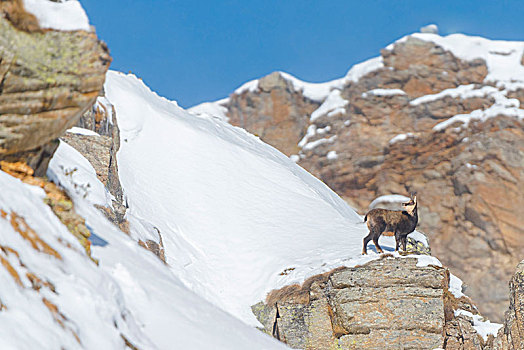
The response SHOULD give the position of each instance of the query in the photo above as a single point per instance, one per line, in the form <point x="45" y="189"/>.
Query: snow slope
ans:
<point x="130" y="286"/>
<point x="233" y="211"/>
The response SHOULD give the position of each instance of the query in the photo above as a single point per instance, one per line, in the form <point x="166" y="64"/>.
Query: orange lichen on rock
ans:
<point x="37" y="283"/>
<point x="58" y="316"/>
<point x="16" y="169"/>
<point x="7" y="265"/>
<point x="19" y="225"/>
<point x="56" y="198"/>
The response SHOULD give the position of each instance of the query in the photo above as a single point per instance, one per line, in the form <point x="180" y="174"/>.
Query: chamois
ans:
<point x="398" y="223"/>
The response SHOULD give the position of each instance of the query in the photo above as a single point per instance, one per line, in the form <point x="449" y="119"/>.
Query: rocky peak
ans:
<point x="274" y="81"/>
<point x="275" y="111"/>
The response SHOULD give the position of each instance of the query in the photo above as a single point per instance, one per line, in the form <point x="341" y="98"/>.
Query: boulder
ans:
<point x="48" y="79"/>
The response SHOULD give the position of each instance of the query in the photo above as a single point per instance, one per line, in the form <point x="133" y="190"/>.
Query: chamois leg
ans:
<point x="397" y="241"/>
<point x="375" y="240"/>
<point x="404" y="243"/>
<point x="366" y="241"/>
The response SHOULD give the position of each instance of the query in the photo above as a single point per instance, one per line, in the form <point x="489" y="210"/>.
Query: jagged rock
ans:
<point x="276" y="112"/>
<point x="511" y="336"/>
<point x="380" y="305"/>
<point x="385" y="304"/>
<point x="100" y="150"/>
<point x="48" y="78"/>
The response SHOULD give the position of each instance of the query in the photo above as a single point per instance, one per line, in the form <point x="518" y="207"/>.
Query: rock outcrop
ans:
<point x="277" y="112"/>
<point x="387" y="138"/>
<point x="389" y="303"/>
<point x="511" y="336"/>
<point x="100" y="150"/>
<point x="48" y="79"/>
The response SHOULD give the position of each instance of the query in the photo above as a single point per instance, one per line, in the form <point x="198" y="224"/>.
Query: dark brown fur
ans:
<point x="391" y="223"/>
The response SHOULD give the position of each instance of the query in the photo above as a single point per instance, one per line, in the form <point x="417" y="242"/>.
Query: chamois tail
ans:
<point x="366" y="218"/>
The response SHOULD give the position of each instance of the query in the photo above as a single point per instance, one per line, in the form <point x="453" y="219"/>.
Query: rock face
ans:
<point x="48" y="79"/>
<point x="511" y="336"/>
<point x="276" y="112"/>
<point x="386" y="141"/>
<point x="100" y="150"/>
<point x="385" y="304"/>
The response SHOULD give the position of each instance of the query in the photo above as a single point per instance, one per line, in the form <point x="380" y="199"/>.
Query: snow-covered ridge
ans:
<point x="233" y="212"/>
<point x="214" y="109"/>
<point x="502" y="57"/>
<point x="64" y="15"/>
<point x="320" y="91"/>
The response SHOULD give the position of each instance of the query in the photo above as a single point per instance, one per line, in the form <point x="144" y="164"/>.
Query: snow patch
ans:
<point x="483" y="327"/>
<point x="313" y="144"/>
<point x="430" y="28"/>
<point x="334" y="102"/>
<point x="383" y="92"/>
<point x="390" y="198"/>
<point x="502" y="106"/>
<point x="211" y="110"/>
<point x="401" y="137"/>
<point x="455" y="286"/>
<point x="64" y="15"/>
<point x="332" y="155"/>
<point x="361" y="69"/>
<point x="82" y="131"/>
<point x="462" y="91"/>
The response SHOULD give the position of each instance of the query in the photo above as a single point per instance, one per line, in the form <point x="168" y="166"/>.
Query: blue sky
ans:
<point x="196" y="51"/>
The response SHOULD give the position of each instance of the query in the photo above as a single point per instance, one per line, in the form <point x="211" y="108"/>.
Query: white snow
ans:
<point x="483" y="327"/>
<point x="455" y="286"/>
<point x="211" y="109"/>
<point x="333" y="102"/>
<point x="332" y="155"/>
<point x="384" y="92"/>
<point x="131" y="287"/>
<point x="502" y="106"/>
<point x="233" y="212"/>
<point x="401" y="137"/>
<point x="313" y="144"/>
<point x="360" y="69"/>
<point x="82" y="131"/>
<point x="462" y="91"/>
<point x="426" y="260"/>
<point x="65" y="15"/>
<point x="430" y="28"/>
<point x="82" y="176"/>
<point x="250" y="86"/>
<point x="390" y="198"/>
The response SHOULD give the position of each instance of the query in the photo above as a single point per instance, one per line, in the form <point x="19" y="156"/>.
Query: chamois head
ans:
<point x="410" y="206"/>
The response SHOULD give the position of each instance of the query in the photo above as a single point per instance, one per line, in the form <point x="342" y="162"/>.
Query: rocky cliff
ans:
<point x="435" y="115"/>
<point x="391" y="303"/>
<point x="511" y="336"/>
